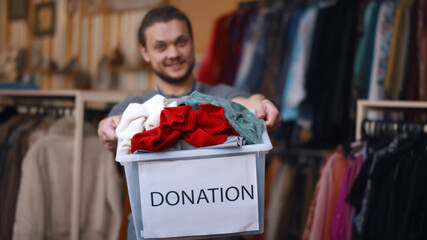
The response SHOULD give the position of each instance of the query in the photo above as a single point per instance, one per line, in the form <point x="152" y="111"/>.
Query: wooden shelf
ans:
<point x="128" y="68"/>
<point x="49" y="71"/>
<point x="125" y="68"/>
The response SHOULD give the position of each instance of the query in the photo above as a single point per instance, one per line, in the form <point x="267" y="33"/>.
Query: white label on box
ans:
<point x="199" y="197"/>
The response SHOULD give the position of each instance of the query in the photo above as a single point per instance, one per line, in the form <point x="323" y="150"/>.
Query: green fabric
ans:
<point x="364" y="56"/>
<point x="241" y="119"/>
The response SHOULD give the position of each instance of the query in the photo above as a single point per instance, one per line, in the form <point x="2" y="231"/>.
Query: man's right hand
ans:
<point x="107" y="132"/>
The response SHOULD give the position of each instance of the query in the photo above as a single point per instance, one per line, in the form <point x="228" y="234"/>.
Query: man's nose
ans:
<point x="173" y="52"/>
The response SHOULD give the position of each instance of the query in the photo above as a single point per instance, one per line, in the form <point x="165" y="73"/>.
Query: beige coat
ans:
<point x="44" y="199"/>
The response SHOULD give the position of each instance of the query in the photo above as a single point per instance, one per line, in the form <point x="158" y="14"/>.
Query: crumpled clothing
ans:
<point x="201" y="127"/>
<point x="139" y="117"/>
<point x="241" y="119"/>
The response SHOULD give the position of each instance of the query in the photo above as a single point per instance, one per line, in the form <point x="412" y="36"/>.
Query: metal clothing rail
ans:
<point x="80" y="98"/>
<point x="387" y="105"/>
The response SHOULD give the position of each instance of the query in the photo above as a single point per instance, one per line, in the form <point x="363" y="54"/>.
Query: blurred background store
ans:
<point x="315" y="59"/>
<point x="86" y="44"/>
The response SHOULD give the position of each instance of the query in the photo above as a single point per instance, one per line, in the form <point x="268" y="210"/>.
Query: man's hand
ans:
<point x="107" y="132"/>
<point x="266" y="111"/>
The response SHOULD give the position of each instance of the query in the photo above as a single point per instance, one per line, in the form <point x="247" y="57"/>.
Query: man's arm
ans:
<point x="264" y="109"/>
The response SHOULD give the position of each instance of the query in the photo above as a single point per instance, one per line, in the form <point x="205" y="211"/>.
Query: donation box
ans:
<point x="198" y="193"/>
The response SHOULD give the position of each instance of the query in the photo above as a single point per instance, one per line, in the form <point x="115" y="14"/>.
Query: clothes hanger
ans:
<point x="327" y="3"/>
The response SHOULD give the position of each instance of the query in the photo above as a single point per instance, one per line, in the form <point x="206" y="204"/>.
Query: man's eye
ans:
<point x="159" y="47"/>
<point x="182" y="42"/>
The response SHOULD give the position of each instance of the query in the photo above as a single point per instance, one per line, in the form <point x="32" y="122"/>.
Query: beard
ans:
<point x="172" y="80"/>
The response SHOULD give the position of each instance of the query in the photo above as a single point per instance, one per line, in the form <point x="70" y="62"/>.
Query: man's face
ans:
<point x="169" y="49"/>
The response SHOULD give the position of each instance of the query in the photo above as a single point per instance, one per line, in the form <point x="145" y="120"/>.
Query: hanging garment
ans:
<point x="364" y="56"/>
<point x="210" y="65"/>
<point x="276" y="42"/>
<point x="252" y="80"/>
<point x="236" y="32"/>
<point x="5" y="145"/>
<point x="356" y="197"/>
<point x="23" y="138"/>
<point x="250" y="42"/>
<point x="314" y="206"/>
<point x="411" y="86"/>
<point x="7" y="112"/>
<point x="342" y="217"/>
<point x="389" y="182"/>
<point x="279" y="201"/>
<point x="10" y="171"/>
<point x="223" y="55"/>
<point x="398" y="51"/>
<point x="380" y="193"/>
<point x="290" y="201"/>
<point x="329" y="71"/>
<point x="286" y="54"/>
<point x="339" y="169"/>
<point x="291" y="113"/>
<point x="422" y="47"/>
<point x="381" y="53"/>
<point x="44" y="199"/>
<point x="302" y="49"/>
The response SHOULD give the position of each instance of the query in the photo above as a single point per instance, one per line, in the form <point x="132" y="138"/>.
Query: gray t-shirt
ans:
<point x="221" y="90"/>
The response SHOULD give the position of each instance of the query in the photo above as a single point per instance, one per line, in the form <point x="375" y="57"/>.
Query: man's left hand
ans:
<point x="268" y="112"/>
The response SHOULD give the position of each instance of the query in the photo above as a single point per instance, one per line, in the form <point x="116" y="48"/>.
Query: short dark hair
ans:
<point x="161" y="14"/>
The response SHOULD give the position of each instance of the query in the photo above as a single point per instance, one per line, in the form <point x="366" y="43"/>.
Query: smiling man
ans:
<point x="168" y="47"/>
<point x="166" y="42"/>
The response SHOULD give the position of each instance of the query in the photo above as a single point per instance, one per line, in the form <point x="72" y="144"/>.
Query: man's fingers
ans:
<point x="273" y="123"/>
<point x="260" y="113"/>
<point x="107" y="131"/>
<point x="272" y="115"/>
<point x="116" y="121"/>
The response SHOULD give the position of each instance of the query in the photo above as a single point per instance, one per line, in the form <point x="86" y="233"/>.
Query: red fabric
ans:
<point x="210" y="67"/>
<point x="231" y="59"/>
<point x="221" y="61"/>
<point x="201" y="127"/>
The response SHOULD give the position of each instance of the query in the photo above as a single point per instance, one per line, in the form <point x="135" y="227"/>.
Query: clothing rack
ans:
<point x="40" y="109"/>
<point x="385" y="105"/>
<point x="79" y="100"/>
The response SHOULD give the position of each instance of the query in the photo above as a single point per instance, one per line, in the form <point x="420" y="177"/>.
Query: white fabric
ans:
<point x="305" y="36"/>
<point x="374" y="86"/>
<point x="139" y="117"/>
<point x="248" y="52"/>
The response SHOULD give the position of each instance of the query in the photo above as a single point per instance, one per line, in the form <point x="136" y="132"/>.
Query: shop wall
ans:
<point x="87" y="35"/>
